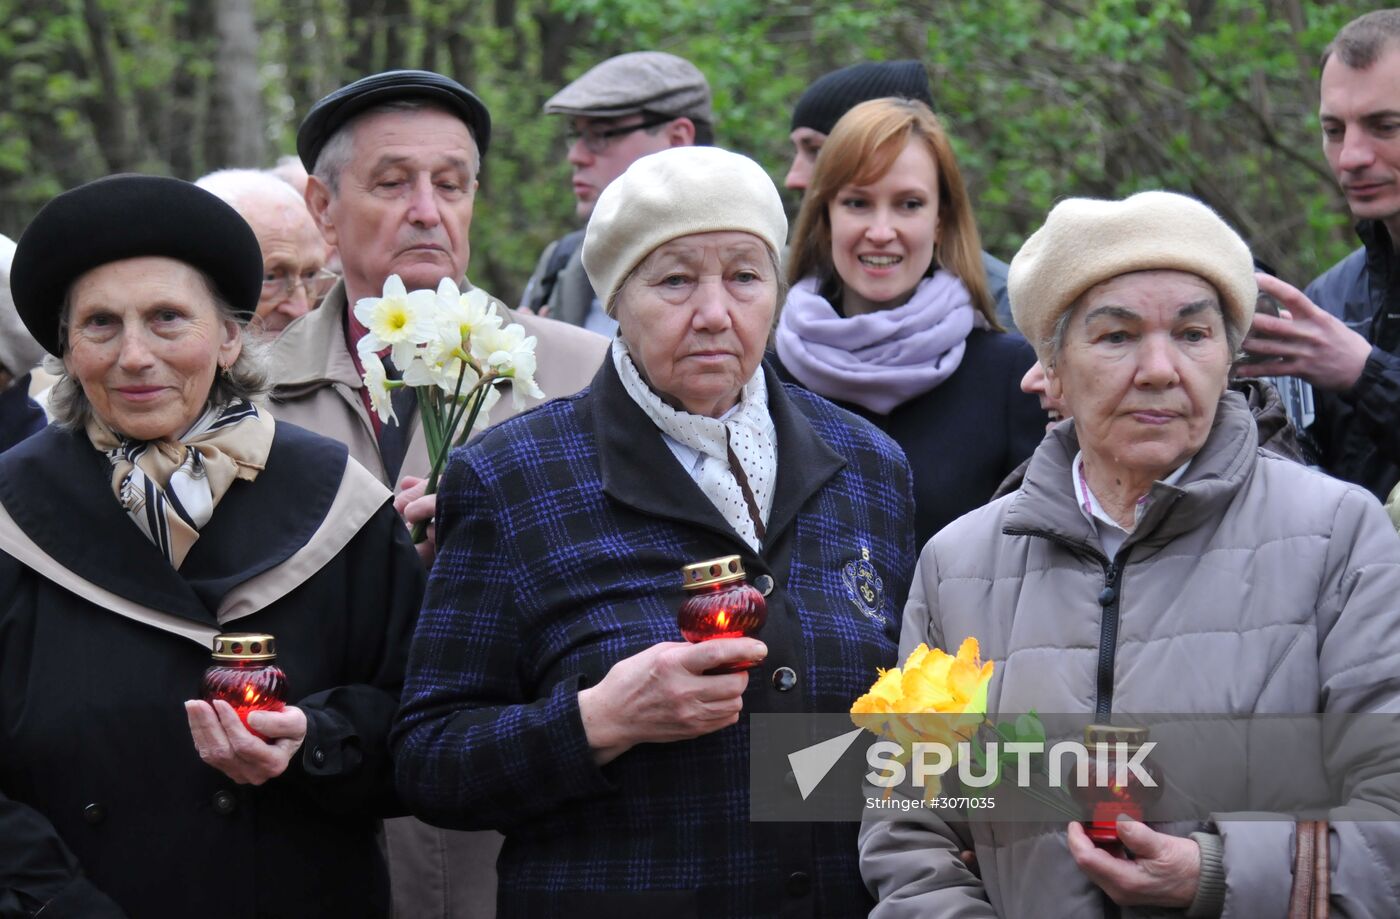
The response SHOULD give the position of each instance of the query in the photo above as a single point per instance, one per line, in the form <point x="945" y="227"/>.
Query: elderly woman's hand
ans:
<point x="662" y="694"/>
<point x="1164" y="871"/>
<point x="224" y="743"/>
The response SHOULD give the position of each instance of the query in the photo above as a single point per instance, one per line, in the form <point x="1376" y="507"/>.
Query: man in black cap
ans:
<point x="619" y="111"/>
<point x="835" y="94"/>
<point x="394" y="160"/>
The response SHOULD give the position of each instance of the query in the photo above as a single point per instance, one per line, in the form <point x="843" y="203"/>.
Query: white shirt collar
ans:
<point x="1111" y="535"/>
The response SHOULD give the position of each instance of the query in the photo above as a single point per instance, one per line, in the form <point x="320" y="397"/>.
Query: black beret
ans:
<point x="130" y="216"/>
<point x="835" y="94"/>
<point x="327" y="116"/>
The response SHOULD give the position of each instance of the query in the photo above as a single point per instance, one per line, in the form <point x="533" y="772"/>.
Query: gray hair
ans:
<point x="239" y="188"/>
<point x="338" y="150"/>
<point x="1054" y="343"/>
<point x="248" y="377"/>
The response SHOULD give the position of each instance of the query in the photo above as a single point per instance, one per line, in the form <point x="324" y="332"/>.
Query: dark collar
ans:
<point x="58" y="490"/>
<point x="1381" y="257"/>
<point x="640" y="471"/>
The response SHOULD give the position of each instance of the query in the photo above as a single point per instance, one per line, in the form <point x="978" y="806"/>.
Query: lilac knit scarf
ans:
<point x="877" y="360"/>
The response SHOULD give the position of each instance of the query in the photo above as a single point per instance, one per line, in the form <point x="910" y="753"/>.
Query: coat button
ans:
<point x="318" y="756"/>
<point x="94" y="813"/>
<point x="784" y="678"/>
<point x="799" y="884"/>
<point x="764" y="583"/>
<point x="225" y="803"/>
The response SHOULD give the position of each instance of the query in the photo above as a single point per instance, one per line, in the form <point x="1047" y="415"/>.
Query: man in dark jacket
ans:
<point x="1343" y="336"/>
<point x="619" y="111"/>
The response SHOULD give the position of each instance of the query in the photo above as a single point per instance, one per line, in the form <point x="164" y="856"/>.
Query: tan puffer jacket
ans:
<point x="1256" y="586"/>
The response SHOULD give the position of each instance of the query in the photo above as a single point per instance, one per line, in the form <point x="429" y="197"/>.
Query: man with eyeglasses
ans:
<point x="619" y="111"/>
<point x="295" y="278"/>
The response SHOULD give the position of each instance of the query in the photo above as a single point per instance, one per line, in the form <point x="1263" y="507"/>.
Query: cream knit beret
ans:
<point x="1086" y="241"/>
<point x="674" y="193"/>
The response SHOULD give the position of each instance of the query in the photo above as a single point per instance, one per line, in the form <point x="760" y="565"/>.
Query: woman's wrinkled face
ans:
<point x="144" y="340"/>
<point x="1142" y="368"/>
<point x="883" y="234"/>
<point x="695" y="316"/>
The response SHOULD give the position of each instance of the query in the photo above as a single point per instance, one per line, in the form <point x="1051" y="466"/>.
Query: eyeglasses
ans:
<point x="278" y="286"/>
<point x="596" y="139"/>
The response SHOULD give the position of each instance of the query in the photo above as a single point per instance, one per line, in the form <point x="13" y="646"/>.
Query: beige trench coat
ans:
<point x="434" y="873"/>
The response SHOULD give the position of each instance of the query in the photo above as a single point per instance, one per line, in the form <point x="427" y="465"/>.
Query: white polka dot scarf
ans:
<point x="748" y="431"/>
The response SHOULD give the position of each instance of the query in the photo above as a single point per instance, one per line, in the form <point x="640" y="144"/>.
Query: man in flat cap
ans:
<point x="394" y="160"/>
<point x="619" y="111"/>
<point x="835" y="94"/>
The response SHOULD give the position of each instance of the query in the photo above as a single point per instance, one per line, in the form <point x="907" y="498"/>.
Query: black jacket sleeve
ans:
<point x="38" y="872"/>
<point x="344" y="762"/>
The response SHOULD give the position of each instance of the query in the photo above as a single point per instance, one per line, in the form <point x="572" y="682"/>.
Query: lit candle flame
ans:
<point x="250" y="693"/>
<point x="723" y="618"/>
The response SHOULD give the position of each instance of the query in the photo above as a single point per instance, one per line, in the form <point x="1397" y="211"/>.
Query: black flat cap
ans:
<point x="130" y="216"/>
<point x="327" y="116"/>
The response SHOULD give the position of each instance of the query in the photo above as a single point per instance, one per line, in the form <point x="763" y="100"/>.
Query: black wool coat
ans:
<point x="964" y="436"/>
<point x="105" y="807"/>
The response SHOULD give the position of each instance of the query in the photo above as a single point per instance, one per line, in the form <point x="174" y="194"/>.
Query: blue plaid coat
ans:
<point x="561" y="537"/>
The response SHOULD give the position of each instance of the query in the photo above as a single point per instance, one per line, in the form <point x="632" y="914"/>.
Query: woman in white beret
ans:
<point x="890" y="315"/>
<point x="550" y="694"/>
<point x="1154" y="560"/>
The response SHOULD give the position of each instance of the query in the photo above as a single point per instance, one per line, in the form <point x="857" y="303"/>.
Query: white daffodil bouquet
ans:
<point x="453" y="349"/>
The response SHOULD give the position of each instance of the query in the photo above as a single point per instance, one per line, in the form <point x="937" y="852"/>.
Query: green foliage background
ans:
<point x="1044" y="98"/>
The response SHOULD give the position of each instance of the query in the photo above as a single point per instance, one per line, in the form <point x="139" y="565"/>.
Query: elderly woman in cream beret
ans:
<point x="550" y="694"/>
<point x="1154" y="560"/>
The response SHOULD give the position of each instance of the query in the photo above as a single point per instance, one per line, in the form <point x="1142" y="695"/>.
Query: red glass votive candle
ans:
<point x="1109" y="746"/>
<point x="245" y="674"/>
<point x="720" y="603"/>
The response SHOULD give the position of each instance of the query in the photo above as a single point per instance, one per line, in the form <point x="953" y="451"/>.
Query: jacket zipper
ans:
<point x="1110" y="599"/>
<point x="1108" y="637"/>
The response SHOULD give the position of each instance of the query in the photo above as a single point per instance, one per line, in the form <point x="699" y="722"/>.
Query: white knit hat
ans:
<point x="674" y="193"/>
<point x="1086" y="241"/>
<point x="19" y="352"/>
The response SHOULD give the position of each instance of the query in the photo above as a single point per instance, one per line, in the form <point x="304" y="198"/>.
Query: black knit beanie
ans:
<point x="835" y="94"/>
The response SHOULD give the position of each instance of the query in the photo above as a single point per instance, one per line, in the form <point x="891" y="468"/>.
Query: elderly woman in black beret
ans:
<point x="162" y="508"/>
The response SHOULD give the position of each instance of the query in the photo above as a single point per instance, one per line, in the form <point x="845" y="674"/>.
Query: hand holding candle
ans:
<point x="245" y="674"/>
<point x="719" y="603"/>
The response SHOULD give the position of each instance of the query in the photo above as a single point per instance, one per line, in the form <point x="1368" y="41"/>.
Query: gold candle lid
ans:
<point x="713" y="571"/>
<point x="1111" y="734"/>
<point x="245" y="646"/>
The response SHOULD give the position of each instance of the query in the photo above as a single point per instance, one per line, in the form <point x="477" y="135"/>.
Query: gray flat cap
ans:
<point x="643" y="81"/>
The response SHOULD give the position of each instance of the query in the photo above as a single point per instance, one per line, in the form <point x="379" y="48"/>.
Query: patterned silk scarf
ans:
<point x="170" y="488"/>
<point x="741" y="452"/>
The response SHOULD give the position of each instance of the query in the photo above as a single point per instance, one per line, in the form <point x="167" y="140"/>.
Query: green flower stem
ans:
<point x="430" y="409"/>
<point x="440" y="435"/>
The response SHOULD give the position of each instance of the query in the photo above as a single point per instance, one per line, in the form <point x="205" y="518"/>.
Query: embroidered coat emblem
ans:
<point x="864" y="586"/>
